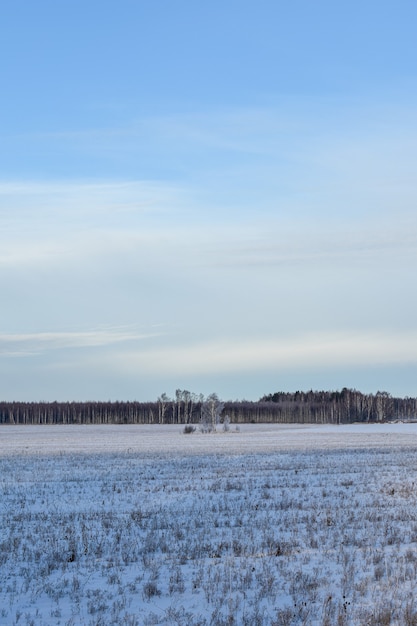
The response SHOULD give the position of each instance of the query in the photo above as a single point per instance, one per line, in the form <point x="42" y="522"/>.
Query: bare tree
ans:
<point x="188" y="405"/>
<point x="178" y="398"/>
<point x="163" y="401"/>
<point x="211" y="411"/>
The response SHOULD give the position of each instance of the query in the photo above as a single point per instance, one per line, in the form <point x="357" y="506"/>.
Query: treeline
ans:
<point x="318" y="407"/>
<point x="334" y="407"/>
<point x="78" y="412"/>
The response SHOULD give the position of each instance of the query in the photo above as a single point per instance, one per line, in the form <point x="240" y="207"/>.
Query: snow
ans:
<point x="271" y="524"/>
<point x="167" y="439"/>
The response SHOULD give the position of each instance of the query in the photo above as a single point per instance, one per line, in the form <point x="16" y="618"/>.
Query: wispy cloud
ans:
<point x="78" y="201"/>
<point x="43" y="222"/>
<point x="319" y="243"/>
<point x="27" y="344"/>
<point x="119" y="236"/>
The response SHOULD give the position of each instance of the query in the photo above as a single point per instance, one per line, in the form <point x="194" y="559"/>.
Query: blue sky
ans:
<point x="213" y="196"/>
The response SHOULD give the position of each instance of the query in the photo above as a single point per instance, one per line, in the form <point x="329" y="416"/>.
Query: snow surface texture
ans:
<point x="271" y="525"/>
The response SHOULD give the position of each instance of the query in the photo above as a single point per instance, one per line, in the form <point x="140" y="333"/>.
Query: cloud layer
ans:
<point x="277" y="240"/>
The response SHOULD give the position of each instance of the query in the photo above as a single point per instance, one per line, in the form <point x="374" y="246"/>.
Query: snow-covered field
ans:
<point x="268" y="525"/>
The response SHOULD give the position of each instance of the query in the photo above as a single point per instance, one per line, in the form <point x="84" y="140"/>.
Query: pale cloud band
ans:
<point x="318" y="350"/>
<point x="311" y="350"/>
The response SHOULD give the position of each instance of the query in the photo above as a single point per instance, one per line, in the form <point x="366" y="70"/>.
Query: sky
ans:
<point x="214" y="196"/>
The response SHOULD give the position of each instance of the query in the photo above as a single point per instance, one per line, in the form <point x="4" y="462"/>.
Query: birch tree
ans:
<point x="211" y="411"/>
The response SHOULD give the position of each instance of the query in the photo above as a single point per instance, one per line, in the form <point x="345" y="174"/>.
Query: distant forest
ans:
<point x="317" y="407"/>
